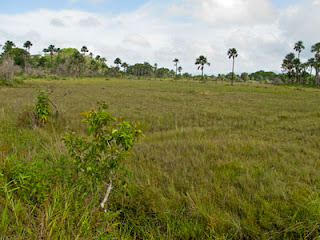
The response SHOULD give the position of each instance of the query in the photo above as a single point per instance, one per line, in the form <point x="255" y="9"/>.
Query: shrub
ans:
<point x="99" y="156"/>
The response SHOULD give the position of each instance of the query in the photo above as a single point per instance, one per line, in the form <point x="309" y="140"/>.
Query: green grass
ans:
<point x="217" y="162"/>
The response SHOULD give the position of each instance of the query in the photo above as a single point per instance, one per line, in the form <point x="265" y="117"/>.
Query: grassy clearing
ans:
<point x="218" y="162"/>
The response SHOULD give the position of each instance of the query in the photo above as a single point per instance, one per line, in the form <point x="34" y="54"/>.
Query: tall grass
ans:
<point x="218" y="162"/>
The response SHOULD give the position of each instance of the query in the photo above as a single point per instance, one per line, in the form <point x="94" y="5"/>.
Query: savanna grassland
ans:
<point x="217" y="162"/>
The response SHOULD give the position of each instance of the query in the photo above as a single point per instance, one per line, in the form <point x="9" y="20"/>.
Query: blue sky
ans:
<point x="110" y="6"/>
<point x="157" y="31"/>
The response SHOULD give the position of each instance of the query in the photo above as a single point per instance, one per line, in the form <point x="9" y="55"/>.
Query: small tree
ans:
<point x="27" y="45"/>
<point x="99" y="155"/>
<point x="232" y="53"/>
<point x="201" y="61"/>
<point x="176" y="61"/>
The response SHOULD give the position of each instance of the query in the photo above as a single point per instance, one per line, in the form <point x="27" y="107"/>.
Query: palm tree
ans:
<point x="298" y="48"/>
<point x="125" y="66"/>
<point x="118" y="62"/>
<point x="288" y="65"/>
<point x="316" y="49"/>
<point x="84" y="50"/>
<point x="8" y="46"/>
<point x="201" y="61"/>
<point x="27" y="45"/>
<point x="176" y="60"/>
<point x="51" y="49"/>
<point x="311" y="63"/>
<point x="179" y="69"/>
<point x="97" y="57"/>
<point x="232" y="53"/>
<point x="91" y="55"/>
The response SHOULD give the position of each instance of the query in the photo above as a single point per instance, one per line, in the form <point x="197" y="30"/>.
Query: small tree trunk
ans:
<point x="317" y="77"/>
<point x="232" y="71"/>
<point x="104" y="203"/>
<point x="202" y="73"/>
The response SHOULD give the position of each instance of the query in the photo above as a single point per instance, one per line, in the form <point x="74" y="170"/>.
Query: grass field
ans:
<point x="217" y="162"/>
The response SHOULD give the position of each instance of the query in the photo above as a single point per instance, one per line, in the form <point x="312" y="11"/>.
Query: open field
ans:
<point x="217" y="162"/>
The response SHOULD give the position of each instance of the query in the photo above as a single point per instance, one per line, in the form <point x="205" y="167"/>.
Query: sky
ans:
<point x="158" y="31"/>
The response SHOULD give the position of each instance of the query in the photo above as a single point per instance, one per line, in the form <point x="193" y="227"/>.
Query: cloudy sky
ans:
<point x="157" y="31"/>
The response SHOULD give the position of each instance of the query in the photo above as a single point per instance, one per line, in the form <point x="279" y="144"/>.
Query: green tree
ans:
<point x="288" y="65"/>
<point x="78" y="59"/>
<point x="51" y="50"/>
<point x="180" y="69"/>
<point x="8" y="46"/>
<point x="202" y="61"/>
<point x="84" y="50"/>
<point x="232" y="53"/>
<point x="27" y="45"/>
<point x="118" y="62"/>
<point x="124" y="66"/>
<point x="176" y="61"/>
<point x="298" y="47"/>
<point x="99" y="156"/>
<point x="311" y="63"/>
<point x="316" y="49"/>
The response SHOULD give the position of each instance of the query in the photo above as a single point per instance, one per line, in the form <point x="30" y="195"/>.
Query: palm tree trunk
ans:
<point x="232" y="71"/>
<point x="202" y="74"/>
<point x="317" y="77"/>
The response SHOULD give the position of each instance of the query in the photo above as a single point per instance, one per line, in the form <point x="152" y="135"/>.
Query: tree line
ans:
<point x="301" y="72"/>
<point x="73" y="62"/>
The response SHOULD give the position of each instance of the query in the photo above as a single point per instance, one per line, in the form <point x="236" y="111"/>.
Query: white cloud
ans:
<point x="158" y="33"/>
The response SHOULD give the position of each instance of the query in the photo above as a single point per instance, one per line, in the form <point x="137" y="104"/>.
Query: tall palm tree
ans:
<point x="84" y="50"/>
<point x="125" y="66"/>
<point x="298" y="47"/>
<point x="27" y="45"/>
<point x="8" y="46"/>
<point x="51" y="49"/>
<point x="311" y="63"/>
<point x="316" y="49"/>
<point x="201" y="61"/>
<point x="176" y="61"/>
<point x="118" y="62"/>
<point x="232" y="53"/>
<point x="288" y="65"/>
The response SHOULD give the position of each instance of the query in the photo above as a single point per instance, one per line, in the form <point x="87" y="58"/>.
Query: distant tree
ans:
<point x="27" y="45"/>
<point x="232" y="53"/>
<point x="118" y="62"/>
<point x="179" y="69"/>
<point x="84" y="50"/>
<point x="201" y="61"/>
<point x="245" y="76"/>
<point x="316" y="49"/>
<point x="51" y="49"/>
<point x="288" y="65"/>
<point x="91" y="55"/>
<point x="298" y="47"/>
<point x="8" y="46"/>
<point x="98" y="58"/>
<point x="176" y="61"/>
<point x="311" y="63"/>
<point x="124" y="66"/>
<point x="297" y="66"/>
<point x="78" y="59"/>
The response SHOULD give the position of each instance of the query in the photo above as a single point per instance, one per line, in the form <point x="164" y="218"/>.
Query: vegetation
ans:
<point x="245" y="168"/>
<point x="232" y="53"/>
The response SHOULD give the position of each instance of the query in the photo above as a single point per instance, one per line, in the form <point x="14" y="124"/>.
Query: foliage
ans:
<point x="42" y="107"/>
<point x="99" y="156"/>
